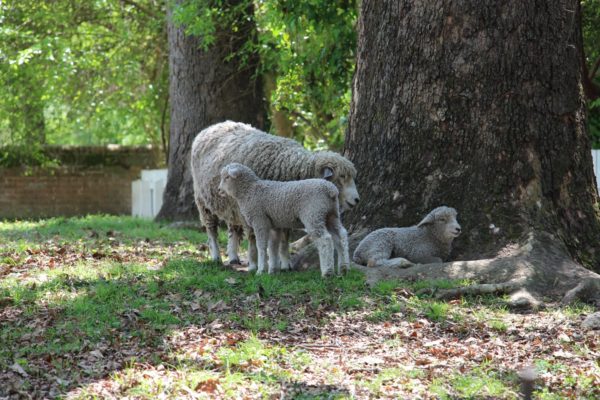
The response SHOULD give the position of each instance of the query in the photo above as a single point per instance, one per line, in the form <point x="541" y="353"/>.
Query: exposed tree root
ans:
<point x="587" y="291"/>
<point x="538" y="270"/>
<point x="483" y="288"/>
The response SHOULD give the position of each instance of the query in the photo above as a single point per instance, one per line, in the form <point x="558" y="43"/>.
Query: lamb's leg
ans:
<point x="273" y="248"/>
<point x="324" y="244"/>
<point x="211" y="223"/>
<point x="340" y="241"/>
<point x="262" y="241"/>
<point x="284" y="249"/>
<point x="234" y="234"/>
<point x="252" y="253"/>
<point x="398" y="262"/>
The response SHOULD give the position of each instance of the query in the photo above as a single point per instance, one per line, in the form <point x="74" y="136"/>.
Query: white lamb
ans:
<point x="271" y="206"/>
<point x="428" y="242"/>
<point x="270" y="157"/>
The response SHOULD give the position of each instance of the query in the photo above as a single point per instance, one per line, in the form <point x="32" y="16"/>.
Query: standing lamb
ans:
<point x="271" y="206"/>
<point x="428" y="242"/>
<point x="272" y="158"/>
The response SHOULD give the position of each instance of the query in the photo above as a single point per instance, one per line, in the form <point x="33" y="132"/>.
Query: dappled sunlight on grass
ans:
<point x="128" y="312"/>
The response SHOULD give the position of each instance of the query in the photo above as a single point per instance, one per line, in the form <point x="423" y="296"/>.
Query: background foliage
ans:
<point x="82" y="72"/>
<point x="96" y="72"/>
<point x="591" y="42"/>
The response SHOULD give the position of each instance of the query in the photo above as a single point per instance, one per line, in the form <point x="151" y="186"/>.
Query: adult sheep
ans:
<point x="271" y="158"/>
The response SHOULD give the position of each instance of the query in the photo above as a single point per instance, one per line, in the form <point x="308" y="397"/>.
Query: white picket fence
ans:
<point x="147" y="193"/>
<point x="596" y="157"/>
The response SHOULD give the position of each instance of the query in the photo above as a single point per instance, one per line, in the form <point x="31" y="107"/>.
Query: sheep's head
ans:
<point x="442" y="221"/>
<point x="341" y="172"/>
<point x="234" y="176"/>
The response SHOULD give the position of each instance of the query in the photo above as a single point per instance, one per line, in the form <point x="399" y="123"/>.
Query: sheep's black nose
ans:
<point x="356" y="201"/>
<point x="457" y="229"/>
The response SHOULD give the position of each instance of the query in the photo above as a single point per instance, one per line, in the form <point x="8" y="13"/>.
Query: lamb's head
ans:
<point x="235" y="178"/>
<point x="341" y="172"/>
<point x="442" y="222"/>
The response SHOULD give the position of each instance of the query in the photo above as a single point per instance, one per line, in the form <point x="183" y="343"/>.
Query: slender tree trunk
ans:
<point x="479" y="106"/>
<point x="206" y="87"/>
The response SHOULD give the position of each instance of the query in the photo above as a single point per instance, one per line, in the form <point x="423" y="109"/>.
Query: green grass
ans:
<point x="138" y="304"/>
<point x="481" y="382"/>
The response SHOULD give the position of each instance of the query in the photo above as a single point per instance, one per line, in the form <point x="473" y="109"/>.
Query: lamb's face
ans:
<point x="448" y="226"/>
<point x="442" y="221"/>
<point x="229" y="174"/>
<point x="225" y="186"/>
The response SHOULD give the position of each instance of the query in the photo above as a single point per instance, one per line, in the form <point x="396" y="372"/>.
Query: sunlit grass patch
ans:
<point x="408" y="378"/>
<point x="249" y="366"/>
<point x="480" y="383"/>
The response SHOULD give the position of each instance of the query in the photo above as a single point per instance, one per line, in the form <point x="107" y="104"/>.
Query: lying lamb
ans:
<point x="428" y="242"/>
<point x="271" y="207"/>
<point x="270" y="157"/>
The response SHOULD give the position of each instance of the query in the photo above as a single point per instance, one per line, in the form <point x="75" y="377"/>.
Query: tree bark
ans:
<point x="205" y="87"/>
<point x="478" y="106"/>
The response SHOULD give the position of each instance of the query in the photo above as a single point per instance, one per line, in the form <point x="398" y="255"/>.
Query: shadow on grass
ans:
<point x="79" y="326"/>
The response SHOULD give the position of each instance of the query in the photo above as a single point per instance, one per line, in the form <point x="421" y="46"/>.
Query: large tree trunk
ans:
<point x="478" y="106"/>
<point x="206" y="87"/>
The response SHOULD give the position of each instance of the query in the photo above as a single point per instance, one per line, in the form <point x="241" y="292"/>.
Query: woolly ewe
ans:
<point x="272" y="158"/>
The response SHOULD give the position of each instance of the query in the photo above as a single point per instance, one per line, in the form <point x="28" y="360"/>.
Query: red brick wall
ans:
<point x="69" y="190"/>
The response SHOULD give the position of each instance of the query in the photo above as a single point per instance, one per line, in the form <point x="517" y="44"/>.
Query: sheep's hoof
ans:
<point x="327" y="274"/>
<point x="235" y="261"/>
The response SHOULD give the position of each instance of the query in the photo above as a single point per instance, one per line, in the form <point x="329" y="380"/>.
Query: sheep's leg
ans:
<point x="234" y="234"/>
<point x="262" y="241"/>
<point x="284" y="249"/>
<point x="398" y="262"/>
<point x="211" y="223"/>
<point x="340" y="241"/>
<point x="273" y="250"/>
<point x="252" y="253"/>
<point x="213" y="242"/>
<point x="325" y="246"/>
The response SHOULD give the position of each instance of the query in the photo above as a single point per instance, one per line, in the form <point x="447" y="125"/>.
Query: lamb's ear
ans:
<point x="234" y="171"/>
<point x="429" y="219"/>
<point x="327" y="173"/>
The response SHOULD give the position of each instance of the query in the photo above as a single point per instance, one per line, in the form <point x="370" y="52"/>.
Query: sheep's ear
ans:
<point x="234" y="172"/>
<point x="327" y="173"/>
<point x="429" y="219"/>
